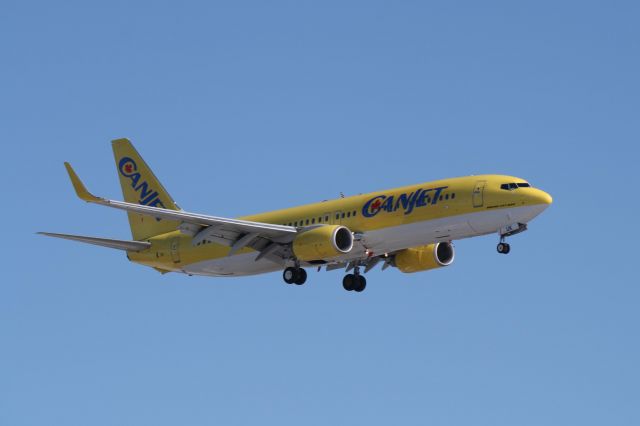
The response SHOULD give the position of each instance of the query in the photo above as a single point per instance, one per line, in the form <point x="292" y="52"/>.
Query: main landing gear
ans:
<point x="296" y="276"/>
<point x="350" y="282"/>
<point x="355" y="281"/>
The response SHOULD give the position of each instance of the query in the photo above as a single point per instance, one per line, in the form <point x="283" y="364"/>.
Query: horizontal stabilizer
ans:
<point x="104" y="242"/>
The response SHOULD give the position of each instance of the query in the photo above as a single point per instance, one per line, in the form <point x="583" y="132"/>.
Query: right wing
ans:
<point x="104" y="242"/>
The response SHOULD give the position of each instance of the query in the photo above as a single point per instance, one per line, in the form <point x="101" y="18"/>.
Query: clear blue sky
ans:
<point x="244" y="107"/>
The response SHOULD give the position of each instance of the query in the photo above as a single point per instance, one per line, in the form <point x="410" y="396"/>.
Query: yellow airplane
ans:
<point x="410" y="228"/>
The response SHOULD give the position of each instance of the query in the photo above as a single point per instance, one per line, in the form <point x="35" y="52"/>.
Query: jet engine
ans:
<point x="322" y="243"/>
<point x="423" y="258"/>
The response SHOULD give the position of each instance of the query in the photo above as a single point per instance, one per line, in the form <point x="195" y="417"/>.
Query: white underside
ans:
<point x="385" y="240"/>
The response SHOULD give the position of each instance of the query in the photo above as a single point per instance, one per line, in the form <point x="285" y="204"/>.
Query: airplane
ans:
<point x="410" y="228"/>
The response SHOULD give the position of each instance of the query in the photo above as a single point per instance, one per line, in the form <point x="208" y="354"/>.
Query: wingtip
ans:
<point x="47" y="234"/>
<point x="78" y="186"/>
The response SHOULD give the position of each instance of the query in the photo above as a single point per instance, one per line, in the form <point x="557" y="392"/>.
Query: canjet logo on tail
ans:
<point x="148" y="196"/>
<point x="407" y="201"/>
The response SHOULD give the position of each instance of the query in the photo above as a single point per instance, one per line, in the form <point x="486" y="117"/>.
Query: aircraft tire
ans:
<point x="503" y="248"/>
<point x="289" y="275"/>
<point x="300" y="276"/>
<point x="361" y="283"/>
<point x="348" y="282"/>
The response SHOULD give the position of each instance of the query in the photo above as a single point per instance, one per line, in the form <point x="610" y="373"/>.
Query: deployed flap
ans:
<point x="104" y="242"/>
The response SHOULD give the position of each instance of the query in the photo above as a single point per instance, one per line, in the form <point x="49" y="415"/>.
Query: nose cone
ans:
<point x="540" y="197"/>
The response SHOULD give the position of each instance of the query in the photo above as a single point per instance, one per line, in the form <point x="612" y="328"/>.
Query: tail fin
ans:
<point x="140" y="186"/>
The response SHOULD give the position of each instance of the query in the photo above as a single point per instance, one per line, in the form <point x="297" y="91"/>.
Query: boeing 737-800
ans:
<point x="410" y="228"/>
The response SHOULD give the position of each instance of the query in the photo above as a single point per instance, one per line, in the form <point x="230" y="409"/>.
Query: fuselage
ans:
<point x="383" y="222"/>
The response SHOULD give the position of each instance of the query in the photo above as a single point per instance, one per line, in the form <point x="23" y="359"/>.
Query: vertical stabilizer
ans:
<point x="140" y="186"/>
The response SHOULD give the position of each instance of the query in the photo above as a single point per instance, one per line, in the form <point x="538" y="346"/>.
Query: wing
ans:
<point x="269" y="239"/>
<point x="104" y="242"/>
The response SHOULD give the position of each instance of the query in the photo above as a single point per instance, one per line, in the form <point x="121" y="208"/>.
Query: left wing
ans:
<point x="267" y="238"/>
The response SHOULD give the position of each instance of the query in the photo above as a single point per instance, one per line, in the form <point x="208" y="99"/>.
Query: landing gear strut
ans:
<point x="355" y="281"/>
<point x="293" y="275"/>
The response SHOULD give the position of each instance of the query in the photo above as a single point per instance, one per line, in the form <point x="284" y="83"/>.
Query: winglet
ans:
<point x="81" y="190"/>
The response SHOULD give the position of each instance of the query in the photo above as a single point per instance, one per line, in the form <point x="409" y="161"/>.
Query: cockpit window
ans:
<point x="513" y="185"/>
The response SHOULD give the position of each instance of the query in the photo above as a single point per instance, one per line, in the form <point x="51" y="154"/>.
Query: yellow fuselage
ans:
<point x="440" y="202"/>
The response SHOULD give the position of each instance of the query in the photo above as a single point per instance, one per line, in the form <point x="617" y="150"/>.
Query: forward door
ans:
<point x="478" y="193"/>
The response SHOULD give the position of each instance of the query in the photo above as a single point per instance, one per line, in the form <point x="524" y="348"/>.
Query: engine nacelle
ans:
<point x="423" y="258"/>
<point x="322" y="243"/>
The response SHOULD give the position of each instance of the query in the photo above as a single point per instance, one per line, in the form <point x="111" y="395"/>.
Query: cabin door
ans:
<point x="478" y="193"/>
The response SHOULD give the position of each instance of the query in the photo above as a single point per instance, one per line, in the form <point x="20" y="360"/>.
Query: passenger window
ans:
<point x="349" y="214"/>
<point x="453" y="195"/>
<point x="354" y="213"/>
<point x="326" y="218"/>
<point x="441" y="198"/>
<point x="337" y="215"/>
<point x="295" y="223"/>
<point x="446" y="197"/>
<point x="343" y="215"/>
<point x="307" y="221"/>
<point x="313" y="220"/>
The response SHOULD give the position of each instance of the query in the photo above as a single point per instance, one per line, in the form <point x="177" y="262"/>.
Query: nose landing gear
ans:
<point x="507" y="231"/>
<point x="503" y="248"/>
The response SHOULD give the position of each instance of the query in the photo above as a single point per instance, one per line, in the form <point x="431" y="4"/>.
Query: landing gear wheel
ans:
<point x="348" y="282"/>
<point x="301" y="276"/>
<point x="289" y="275"/>
<point x="293" y="275"/>
<point x="503" y="248"/>
<point x="361" y="283"/>
<point x="353" y="282"/>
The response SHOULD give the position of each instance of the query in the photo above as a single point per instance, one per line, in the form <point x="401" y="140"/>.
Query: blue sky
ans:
<point x="243" y="107"/>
